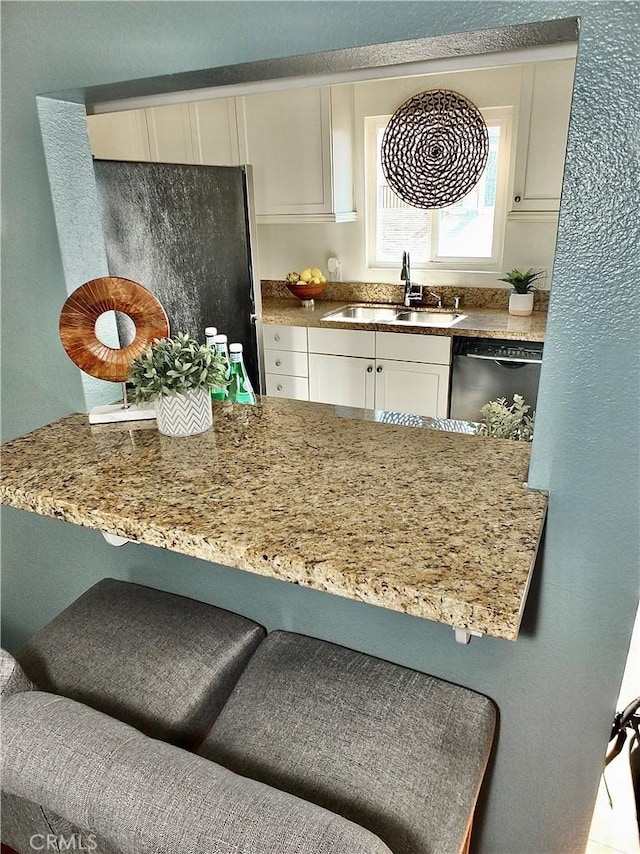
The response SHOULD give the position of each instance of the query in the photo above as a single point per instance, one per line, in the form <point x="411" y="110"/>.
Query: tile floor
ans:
<point x="615" y="830"/>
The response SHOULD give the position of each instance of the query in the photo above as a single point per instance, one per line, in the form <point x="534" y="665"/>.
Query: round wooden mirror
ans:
<point x="88" y="303"/>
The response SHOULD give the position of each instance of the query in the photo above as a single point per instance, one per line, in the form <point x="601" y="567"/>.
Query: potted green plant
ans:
<point x="521" y="298"/>
<point x="507" y="421"/>
<point x="178" y="374"/>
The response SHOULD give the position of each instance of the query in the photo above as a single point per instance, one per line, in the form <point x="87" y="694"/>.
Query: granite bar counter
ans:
<point x="435" y="524"/>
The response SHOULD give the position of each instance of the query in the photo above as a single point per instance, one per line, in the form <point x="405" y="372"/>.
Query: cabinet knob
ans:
<point x="279" y="387"/>
<point x="370" y="369"/>
<point x="379" y="369"/>
<point x="276" y="337"/>
<point x="517" y="199"/>
<point x="278" y="363"/>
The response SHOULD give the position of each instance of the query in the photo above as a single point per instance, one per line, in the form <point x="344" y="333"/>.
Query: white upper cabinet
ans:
<point x="119" y="136"/>
<point x="299" y="143"/>
<point x="543" y="126"/>
<point x="214" y="132"/>
<point x="170" y="139"/>
<point x="300" y="146"/>
<point x="202" y="132"/>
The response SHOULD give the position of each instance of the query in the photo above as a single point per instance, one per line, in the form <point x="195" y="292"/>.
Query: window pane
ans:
<point x="466" y="228"/>
<point x="399" y="226"/>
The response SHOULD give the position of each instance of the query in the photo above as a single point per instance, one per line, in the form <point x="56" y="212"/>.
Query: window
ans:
<point x="466" y="235"/>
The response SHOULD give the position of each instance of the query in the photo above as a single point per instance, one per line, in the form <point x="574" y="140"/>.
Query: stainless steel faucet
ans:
<point x="437" y="297"/>
<point x="412" y="292"/>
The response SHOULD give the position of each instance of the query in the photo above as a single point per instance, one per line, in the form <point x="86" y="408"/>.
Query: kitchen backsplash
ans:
<point x="381" y="293"/>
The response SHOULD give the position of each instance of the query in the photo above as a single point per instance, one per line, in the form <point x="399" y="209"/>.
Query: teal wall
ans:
<point x="556" y="687"/>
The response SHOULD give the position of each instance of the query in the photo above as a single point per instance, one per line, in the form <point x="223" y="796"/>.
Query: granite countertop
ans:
<point x="478" y="323"/>
<point x="435" y="524"/>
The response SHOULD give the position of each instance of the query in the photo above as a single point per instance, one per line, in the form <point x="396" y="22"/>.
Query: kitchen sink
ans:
<point x="364" y="314"/>
<point x="394" y="316"/>
<point x="428" y="318"/>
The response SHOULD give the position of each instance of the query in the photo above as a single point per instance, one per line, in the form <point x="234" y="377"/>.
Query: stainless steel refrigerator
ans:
<point x="185" y="232"/>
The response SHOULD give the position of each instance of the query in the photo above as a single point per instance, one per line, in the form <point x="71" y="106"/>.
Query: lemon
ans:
<point x="305" y="276"/>
<point x="315" y="273"/>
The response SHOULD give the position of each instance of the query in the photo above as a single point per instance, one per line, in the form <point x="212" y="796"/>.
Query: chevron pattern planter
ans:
<point x="184" y="414"/>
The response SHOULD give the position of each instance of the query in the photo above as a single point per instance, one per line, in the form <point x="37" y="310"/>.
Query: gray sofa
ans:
<point x="140" y="722"/>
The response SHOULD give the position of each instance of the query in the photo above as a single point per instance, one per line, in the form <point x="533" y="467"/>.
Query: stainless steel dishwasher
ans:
<point x="484" y="369"/>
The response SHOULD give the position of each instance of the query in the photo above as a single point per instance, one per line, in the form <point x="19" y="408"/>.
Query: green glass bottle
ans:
<point x="240" y="390"/>
<point x="220" y="344"/>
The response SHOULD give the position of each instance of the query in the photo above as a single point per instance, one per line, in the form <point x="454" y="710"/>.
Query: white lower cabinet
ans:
<point x="349" y="368"/>
<point x="342" y="380"/>
<point x="412" y="387"/>
<point x="396" y="371"/>
<point x="286" y="370"/>
<point x="412" y="373"/>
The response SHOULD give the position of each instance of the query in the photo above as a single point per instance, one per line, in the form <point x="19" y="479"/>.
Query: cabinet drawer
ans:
<point x="286" y="362"/>
<point x="283" y="386"/>
<point x="285" y="337"/>
<point x="435" y="349"/>
<point x="342" y="342"/>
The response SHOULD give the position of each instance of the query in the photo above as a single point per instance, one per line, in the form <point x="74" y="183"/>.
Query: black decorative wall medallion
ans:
<point x="435" y="149"/>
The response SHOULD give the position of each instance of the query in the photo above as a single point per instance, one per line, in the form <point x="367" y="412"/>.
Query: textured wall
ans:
<point x="557" y="686"/>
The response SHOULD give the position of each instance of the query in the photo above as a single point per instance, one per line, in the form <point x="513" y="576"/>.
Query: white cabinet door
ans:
<point x="119" y="136"/>
<point x="290" y="139"/>
<point x="282" y="137"/>
<point x="543" y="126"/>
<point x="170" y="134"/>
<point x="214" y="132"/>
<point x="412" y="387"/>
<point x="341" y="380"/>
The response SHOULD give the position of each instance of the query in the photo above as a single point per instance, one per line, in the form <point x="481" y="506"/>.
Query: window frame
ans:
<point x="501" y="117"/>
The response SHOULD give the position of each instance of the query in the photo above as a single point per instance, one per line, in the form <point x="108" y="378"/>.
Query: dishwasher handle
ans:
<point x="514" y="359"/>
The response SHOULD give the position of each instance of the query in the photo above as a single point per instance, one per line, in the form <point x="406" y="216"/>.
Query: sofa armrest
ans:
<point x="13" y="679"/>
<point x="144" y="796"/>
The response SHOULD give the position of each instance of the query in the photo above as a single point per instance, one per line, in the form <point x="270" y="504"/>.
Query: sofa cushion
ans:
<point x="161" y="662"/>
<point x="142" y="796"/>
<point x="397" y="751"/>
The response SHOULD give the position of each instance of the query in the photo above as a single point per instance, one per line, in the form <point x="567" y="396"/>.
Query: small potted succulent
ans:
<point x="178" y="374"/>
<point x="521" y="298"/>
<point x="507" y="421"/>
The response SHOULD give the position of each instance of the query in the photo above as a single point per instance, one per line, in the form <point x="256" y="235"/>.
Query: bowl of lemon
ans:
<point x="307" y="284"/>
